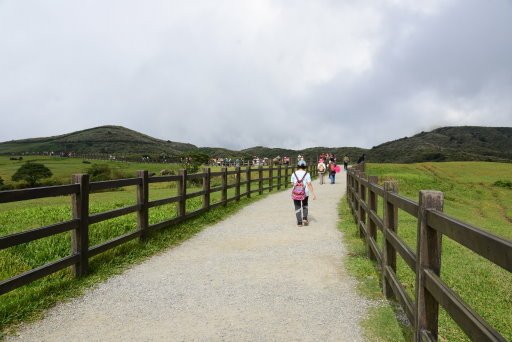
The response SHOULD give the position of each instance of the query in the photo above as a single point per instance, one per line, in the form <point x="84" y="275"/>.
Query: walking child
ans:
<point x="302" y="187"/>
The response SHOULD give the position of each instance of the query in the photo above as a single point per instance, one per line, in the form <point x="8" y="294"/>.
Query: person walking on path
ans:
<point x="301" y="180"/>
<point x="321" y="170"/>
<point x="332" y="170"/>
<point x="346" y="159"/>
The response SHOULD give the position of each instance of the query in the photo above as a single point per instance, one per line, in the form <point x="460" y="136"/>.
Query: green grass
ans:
<point x="470" y="196"/>
<point x="381" y="323"/>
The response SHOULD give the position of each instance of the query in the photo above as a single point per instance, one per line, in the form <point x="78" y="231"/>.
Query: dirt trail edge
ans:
<point x="256" y="276"/>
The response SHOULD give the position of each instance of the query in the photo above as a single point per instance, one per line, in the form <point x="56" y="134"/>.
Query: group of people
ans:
<point x="328" y="166"/>
<point x="302" y="186"/>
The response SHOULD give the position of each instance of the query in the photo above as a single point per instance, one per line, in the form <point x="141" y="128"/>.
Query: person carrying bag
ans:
<point x="302" y="186"/>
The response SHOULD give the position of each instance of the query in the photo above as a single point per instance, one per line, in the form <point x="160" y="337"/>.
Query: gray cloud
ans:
<point x="237" y="74"/>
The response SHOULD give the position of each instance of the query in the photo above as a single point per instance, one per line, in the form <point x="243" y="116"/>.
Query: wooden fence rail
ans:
<point x="81" y="251"/>
<point x="425" y="261"/>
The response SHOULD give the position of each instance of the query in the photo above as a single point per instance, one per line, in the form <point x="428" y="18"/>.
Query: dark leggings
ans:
<point x="301" y="214"/>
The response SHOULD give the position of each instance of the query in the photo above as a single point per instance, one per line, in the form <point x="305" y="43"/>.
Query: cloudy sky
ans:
<point x="240" y="73"/>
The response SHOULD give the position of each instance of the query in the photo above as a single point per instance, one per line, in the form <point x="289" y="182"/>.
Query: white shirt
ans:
<point x="307" y="180"/>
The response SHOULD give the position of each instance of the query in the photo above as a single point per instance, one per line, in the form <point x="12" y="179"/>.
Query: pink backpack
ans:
<point x="299" y="190"/>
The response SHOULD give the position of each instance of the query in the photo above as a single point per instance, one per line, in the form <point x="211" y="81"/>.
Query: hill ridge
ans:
<point x="450" y="143"/>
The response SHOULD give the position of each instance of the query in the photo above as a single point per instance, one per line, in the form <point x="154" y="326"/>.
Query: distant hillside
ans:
<point x="442" y="144"/>
<point x="463" y="143"/>
<point x="104" y="139"/>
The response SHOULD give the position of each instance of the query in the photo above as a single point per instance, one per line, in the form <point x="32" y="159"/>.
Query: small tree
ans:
<point x="194" y="161"/>
<point x="31" y="173"/>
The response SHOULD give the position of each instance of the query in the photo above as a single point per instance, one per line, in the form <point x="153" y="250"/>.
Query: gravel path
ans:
<point x="254" y="277"/>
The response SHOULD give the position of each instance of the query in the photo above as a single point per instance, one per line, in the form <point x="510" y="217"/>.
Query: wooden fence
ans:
<point x="278" y="178"/>
<point x="430" y="290"/>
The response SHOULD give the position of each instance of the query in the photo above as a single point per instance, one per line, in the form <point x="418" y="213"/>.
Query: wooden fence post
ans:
<point x="286" y="179"/>
<point x="390" y="223"/>
<point x="142" y="200"/>
<point x="80" y="235"/>
<point x="271" y="177"/>
<point x="182" y="193"/>
<point x="206" y="187"/>
<point x="362" y="213"/>
<point x="356" y="201"/>
<point x="237" y="188"/>
<point x="429" y="257"/>
<point x="348" y="185"/>
<point x="248" y="179"/>
<point x="260" y="175"/>
<point x="372" y="206"/>
<point x="349" y="190"/>
<point x="353" y="192"/>
<point x="279" y="177"/>
<point x="224" y="199"/>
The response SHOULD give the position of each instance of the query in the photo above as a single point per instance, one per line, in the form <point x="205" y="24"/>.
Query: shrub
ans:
<point x="503" y="184"/>
<point x="121" y="174"/>
<point x="99" y="172"/>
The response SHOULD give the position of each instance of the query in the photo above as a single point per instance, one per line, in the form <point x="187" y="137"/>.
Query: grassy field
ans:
<point x="63" y="168"/>
<point x="29" y="301"/>
<point x="471" y="196"/>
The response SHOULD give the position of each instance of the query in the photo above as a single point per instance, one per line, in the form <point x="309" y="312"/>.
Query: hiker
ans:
<point x="302" y="186"/>
<point x="361" y="159"/>
<point x="332" y="170"/>
<point x="321" y="170"/>
<point x="346" y="159"/>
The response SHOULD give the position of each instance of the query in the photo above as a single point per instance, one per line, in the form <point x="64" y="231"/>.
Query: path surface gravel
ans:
<point x="254" y="277"/>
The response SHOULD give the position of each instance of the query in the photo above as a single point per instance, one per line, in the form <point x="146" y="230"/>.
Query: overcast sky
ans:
<point x="239" y="73"/>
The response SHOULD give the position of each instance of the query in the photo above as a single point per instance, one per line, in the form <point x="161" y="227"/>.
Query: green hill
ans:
<point x="104" y="139"/>
<point x="465" y="143"/>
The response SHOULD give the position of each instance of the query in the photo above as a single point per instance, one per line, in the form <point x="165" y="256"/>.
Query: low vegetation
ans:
<point x="471" y="196"/>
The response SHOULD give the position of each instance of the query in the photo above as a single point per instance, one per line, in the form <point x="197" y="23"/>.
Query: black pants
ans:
<point x="301" y="209"/>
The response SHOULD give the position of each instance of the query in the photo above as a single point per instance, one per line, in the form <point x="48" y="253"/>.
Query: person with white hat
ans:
<point x="302" y="187"/>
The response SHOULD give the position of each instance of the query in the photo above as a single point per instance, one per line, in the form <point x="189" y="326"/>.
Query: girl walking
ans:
<point x="302" y="187"/>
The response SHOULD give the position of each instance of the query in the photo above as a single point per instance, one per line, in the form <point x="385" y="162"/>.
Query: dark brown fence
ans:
<point x="278" y="178"/>
<point x="431" y="291"/>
